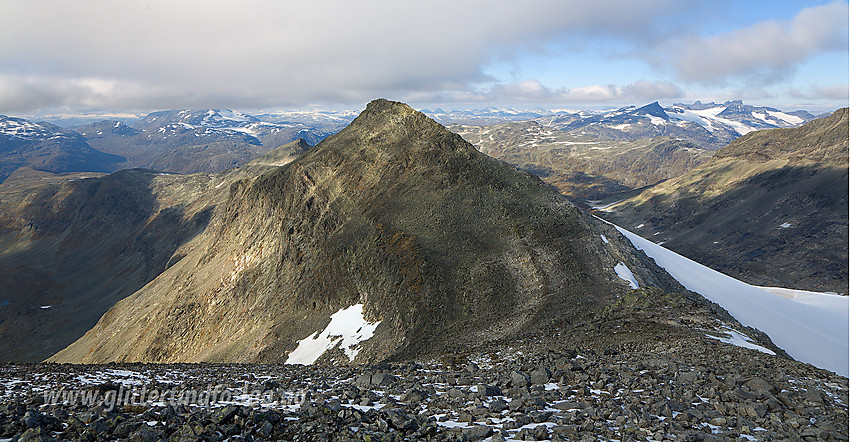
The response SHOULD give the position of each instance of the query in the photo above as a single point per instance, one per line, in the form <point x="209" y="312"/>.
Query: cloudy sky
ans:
<point x="161" y="54"/>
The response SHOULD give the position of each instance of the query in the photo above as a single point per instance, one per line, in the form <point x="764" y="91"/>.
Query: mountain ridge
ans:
<point x="443" y="245"/>
<point x="769" y="209"/>
<point x="46" y="147"/>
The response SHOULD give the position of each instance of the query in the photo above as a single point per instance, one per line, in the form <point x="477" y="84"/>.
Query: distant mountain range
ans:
<point x="184" y="141"/>
<point x="581" y="166"/>
<point x="190" y="141"/>
<point x="708" y="125"/>
<point x="589" y="156"/>
<point x="213" y="140"/>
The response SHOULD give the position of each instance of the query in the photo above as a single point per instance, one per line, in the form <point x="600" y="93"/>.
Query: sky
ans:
<point x="105" y="56"/>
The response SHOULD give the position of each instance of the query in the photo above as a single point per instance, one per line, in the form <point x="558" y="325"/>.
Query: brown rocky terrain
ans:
<point x="443" y="245"/>
<point x="585" y="167"/>
<point x="72" y="245"/>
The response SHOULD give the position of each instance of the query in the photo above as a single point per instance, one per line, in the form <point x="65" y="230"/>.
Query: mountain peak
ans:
<point x="392" y="126"/>
<point x="653" y="109"/>
<point x="382" y="112"/>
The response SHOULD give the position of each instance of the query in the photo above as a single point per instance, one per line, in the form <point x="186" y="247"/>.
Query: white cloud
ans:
<point x="835" y="92"/>
<point x="158" y="53"/>
<point x="764" y="52"/>
<point x="264" y="53"/>
<point x="534" y="91"/>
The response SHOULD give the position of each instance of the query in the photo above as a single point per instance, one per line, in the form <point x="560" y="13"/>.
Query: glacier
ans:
<point x="811" y="327"/>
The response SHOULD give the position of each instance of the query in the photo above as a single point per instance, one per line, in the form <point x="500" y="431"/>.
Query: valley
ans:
<point x="770" y="208"/>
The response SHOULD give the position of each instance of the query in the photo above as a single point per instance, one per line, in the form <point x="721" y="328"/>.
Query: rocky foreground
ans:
<point x="729" y="393"/>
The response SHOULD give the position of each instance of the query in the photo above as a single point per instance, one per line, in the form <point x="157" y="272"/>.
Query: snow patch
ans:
<point x="658" y="121"/>
<point x="811" y="328"/>
<point x="790" y="119"/>
<point x="739" y="339"/>
<point x="347" y="329"/>
<point x="626" y="275"/>
<point x="604" y="239"/>
<point x="784" y="225"/>
<point x="605" y="207"/>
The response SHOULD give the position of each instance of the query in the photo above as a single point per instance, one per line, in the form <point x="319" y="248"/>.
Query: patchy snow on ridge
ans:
<point x="789" y="119"/>
<point x="227" y="114"/>
<point x="736" y="338"/>
<point x="347" y="329"/>
<point x="706" y="118"/>
<point x="810" y="327"/>
<point x="626" y="275"/>
<point x="23" y="129"/>
<point x="657" y="121"/>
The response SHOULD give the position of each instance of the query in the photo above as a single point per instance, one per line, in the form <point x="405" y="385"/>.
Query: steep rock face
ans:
<point x="443" y="245"/>
<point x="70" y="247"/>
<point x="73" y="245"/>
<point x="770" y="208"/>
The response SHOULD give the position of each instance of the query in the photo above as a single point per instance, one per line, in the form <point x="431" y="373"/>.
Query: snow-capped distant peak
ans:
<point x="736" y="116"/>
<point x="23" y="129"/>
<point x="226" y="115"/>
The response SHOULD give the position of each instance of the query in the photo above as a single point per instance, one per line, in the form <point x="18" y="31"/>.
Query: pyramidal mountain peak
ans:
<point x="438" y="292"/>
<point x="385" y="122"/>
<point x="439" y="247"/>
<point x="653" y="109"/>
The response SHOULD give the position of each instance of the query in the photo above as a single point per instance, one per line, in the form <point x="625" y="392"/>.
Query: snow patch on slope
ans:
<point x="626" y="275"/>
<point x="23" y="129"/>
<point x="810" y="327"/>
<point x="736" y="338"/>
<point x="347" y="329"/>
<point x="706" y="118"/>
<point x="792" y="120"/>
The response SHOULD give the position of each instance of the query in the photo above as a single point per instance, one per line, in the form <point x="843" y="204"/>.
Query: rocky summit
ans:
<point x="404" y="229"/>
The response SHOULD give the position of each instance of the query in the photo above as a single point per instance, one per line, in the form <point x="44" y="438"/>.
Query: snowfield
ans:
<point x="347" y="329"/>
<point x="811" y="327"/>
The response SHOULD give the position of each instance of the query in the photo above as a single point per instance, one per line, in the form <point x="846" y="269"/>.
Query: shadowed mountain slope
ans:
<point x="72" y="245"/>
<point x="770" y="209"/>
